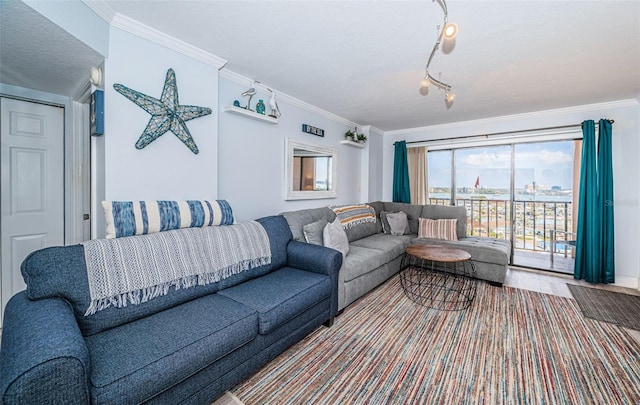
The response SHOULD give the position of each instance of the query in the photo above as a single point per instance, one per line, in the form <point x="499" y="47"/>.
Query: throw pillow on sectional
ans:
<point x="398" y="223"/>
<point x="444" y="229"/>
<point x="313" y="232"/>
<point x="335" y="237"/>
<point x="385" y="222"/>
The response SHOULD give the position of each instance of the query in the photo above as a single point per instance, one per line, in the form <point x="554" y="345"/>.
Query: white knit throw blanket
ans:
<point x="137" y="269"/>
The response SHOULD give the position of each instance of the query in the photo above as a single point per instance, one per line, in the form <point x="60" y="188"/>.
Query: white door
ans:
<point x="32" y="180"/>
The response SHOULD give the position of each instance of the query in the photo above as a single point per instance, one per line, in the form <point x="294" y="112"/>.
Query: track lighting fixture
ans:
<point x="449" y="31"/>
<point x="448" y="96"/>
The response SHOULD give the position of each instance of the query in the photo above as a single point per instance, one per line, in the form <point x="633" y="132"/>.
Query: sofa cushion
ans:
<point x="280" y="296"/>
<point x="385" y="222"/>
<point x="279" y="238"/>
<point x="363" y="230"/>
<point x="448" y="212"/>
<point x="133" y="362"/>
<point x="362" y="260"/>
<point x="487" y="250"/>
<point x="413" y="213"/>
<point x="394" y="245"/>
<point x="313" y="232"/>
<point x="298" y="219"/>
<point x="60" y="272"/>
<point x="378" y="206"/>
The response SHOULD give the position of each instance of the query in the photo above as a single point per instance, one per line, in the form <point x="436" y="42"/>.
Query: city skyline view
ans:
<point x="548" y="164"/>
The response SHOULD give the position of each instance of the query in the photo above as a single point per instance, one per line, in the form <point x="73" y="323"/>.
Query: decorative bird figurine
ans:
<point x="275" y="110"/>
<point x="250" y="92"/>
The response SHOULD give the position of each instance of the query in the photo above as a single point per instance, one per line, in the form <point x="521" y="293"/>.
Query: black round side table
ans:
<point x="438" y="277"/>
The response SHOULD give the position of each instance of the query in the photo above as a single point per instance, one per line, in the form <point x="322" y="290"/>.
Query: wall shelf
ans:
<point x="250" y="114"/>
<point x="354" y="144"/>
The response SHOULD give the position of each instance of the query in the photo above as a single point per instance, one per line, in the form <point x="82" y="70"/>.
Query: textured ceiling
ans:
<point x="37" y="54"/>
<point x="363" y="60"/>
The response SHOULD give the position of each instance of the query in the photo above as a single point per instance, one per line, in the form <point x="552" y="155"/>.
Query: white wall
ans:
<point x="251" y="161"/>
<point x="626" y="164"/>
<point x="166" y="169"/>
<point x="376" y="168"/>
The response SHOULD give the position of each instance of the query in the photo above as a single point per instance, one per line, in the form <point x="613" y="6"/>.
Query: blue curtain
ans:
<point x="594" y="241"/>
<point x="401" y="191"/>
<point x="605" y="203"/>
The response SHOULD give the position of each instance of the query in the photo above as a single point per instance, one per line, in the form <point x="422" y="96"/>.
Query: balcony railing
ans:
<point x="533" y="221"/>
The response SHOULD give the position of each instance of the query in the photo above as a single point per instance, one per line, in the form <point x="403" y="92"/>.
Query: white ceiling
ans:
<point x="363" y="60"/>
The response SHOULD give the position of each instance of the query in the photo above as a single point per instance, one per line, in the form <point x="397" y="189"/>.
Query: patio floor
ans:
<point x="542" y="261"/>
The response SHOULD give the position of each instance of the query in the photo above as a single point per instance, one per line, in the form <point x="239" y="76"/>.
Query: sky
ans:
<point x="546" y="163"/>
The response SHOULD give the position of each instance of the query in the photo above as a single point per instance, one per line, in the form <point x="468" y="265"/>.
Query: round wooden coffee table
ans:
<point x="438" y="277"/>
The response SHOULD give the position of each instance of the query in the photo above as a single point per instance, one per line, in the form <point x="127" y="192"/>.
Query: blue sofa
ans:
<point x="186" y="347"/>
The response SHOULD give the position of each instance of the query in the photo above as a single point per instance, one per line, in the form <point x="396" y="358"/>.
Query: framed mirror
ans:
<point x="311" y="171"/>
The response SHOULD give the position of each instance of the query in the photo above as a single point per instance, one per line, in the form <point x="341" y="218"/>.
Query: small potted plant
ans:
<point x="354" y="136"/>
<point x="351" y="136"/>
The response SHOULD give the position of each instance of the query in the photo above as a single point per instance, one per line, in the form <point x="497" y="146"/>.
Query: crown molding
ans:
<point x="101" y="8"/>
<point x="143" y="31"/>
<point x="245" y="81"/>
<point x="517" y="117"/>
<point x="117" y="20"/>
<point x="134" y="27"/>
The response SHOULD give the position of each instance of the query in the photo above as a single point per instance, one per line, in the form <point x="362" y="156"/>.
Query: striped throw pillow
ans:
<point x="351" y="215"/>
<point x="437" y="228"/>
<point x="129" y="218"/>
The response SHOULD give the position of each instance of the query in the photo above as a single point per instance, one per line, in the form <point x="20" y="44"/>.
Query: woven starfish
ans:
<point x="166" y="114"/>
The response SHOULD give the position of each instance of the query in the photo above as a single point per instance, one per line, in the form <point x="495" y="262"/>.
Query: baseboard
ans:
<point x="628" y="282"/>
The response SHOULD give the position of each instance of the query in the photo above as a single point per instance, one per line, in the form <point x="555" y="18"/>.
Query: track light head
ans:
<point x="449" y="97"/>
<point x="450" y="31"/>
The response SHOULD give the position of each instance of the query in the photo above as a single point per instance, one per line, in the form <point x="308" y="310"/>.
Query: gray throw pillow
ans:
<point x="398" y="223"/>
<point x="385" y="222"/>
<point x="313" y="232"/>
<point x="335" y="237"/>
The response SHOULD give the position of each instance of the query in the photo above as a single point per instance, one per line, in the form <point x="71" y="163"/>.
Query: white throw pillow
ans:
<point x="335" y="237"/>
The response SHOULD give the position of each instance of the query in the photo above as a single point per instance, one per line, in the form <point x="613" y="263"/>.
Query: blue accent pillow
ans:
<point x="129" y="218"/>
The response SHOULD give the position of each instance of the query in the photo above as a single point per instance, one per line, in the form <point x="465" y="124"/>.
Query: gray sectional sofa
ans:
<point x="186" y="347"/>
<point x="375" y="256"/>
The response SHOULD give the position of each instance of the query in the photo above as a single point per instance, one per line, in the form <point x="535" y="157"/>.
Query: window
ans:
<point x="520" y="191"/>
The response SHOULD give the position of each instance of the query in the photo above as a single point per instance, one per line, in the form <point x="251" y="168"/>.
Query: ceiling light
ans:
<point x="449" y="96"/>
<point x="449" y="31"/>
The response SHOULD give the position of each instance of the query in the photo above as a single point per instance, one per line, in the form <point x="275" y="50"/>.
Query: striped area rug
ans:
<point x="511" y="346"/>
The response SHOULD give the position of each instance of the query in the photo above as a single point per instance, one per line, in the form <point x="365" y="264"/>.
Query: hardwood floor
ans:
<point x="556" y="284"/>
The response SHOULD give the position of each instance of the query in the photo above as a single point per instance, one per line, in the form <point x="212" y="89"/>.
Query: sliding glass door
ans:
<point x="543" y="205"/>
<point x="522" y="192"/>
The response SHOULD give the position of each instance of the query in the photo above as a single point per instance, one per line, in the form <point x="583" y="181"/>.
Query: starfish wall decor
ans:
<point x="166" y="114"/>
